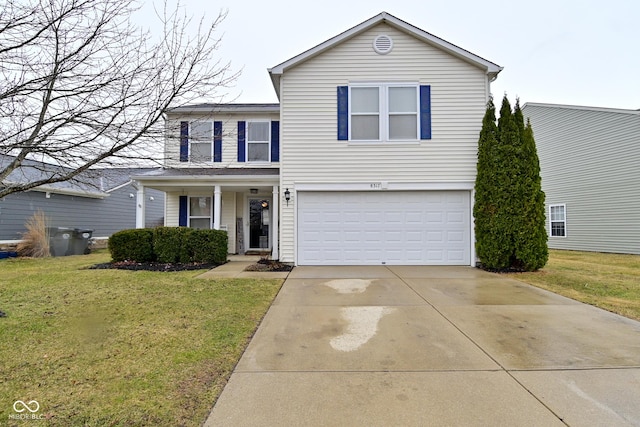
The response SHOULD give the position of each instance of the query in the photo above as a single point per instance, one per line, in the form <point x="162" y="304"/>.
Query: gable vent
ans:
<point x="383" y="44"/>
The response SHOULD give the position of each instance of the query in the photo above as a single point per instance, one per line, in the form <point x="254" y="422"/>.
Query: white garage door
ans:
<point x="393" y="228"/>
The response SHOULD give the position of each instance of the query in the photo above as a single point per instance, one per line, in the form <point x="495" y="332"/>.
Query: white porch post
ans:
<point x="217" y="205"/>
<point x="275" y="208"/>
<point x="140" y="206"/>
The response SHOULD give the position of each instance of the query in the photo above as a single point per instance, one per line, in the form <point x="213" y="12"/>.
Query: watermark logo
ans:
<point x="33" y="406"/>
<point x="26" y="410"/>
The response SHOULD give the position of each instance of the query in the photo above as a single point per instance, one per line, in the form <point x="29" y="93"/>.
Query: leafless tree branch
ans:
<point x="82" y="86"/>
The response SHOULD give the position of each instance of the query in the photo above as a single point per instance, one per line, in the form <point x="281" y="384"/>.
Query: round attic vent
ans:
<point x="383" y="44"/>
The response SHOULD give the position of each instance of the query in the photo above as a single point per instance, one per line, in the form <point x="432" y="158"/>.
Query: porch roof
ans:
<point x="185" y="179"/>
<point x="172" y="173"/>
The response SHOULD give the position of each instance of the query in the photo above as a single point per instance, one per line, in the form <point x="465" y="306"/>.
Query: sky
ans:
<point x="583" y="52"/>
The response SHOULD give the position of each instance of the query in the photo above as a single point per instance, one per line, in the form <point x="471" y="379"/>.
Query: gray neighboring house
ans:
<point x="590" y="167"/>
<point x="102" y="200"/>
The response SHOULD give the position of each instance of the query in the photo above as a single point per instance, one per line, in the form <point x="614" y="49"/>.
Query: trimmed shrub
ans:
<point x="208" y="246"/>
<point x="132" y="245"/>
<point x="171" y="244"/>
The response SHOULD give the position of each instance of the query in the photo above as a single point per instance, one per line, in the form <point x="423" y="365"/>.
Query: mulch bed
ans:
<point x="262" y="265"/>
<point x="503" y="270"/>
<point x="153" y="266"/>
<point x="268" y="265"/>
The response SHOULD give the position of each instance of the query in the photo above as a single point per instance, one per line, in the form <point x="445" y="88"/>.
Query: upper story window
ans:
<point x="558" y="220"/>
<point x="201" y="141"/>
<point x="384" y="112"/>
<point x="258" y="141"/>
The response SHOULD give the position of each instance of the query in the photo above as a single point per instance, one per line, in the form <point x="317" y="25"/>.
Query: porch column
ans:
<point x="275" y="208"/>
<point x="217" y="206"/>
<point x="140" y="206"/>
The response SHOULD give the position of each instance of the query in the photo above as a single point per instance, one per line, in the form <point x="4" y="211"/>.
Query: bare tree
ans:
<point x="82" y="86"/>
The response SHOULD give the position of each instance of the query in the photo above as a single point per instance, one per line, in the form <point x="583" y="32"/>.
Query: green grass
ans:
<point x="113" y="347"/>
<point x="609" y="281"/>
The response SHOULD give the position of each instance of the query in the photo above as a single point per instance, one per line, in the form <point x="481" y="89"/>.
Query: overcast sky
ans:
<point x="578" y="52"/>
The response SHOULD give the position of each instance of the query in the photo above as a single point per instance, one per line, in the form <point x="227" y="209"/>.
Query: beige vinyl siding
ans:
<point x="229" y="139"/>
<point x="311" y="151"/>
<point x="590" y="161"/>
<point x="171" y="218"/>
<point x="228" y="218"/>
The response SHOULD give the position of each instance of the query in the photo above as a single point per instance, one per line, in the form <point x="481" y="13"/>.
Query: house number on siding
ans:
<point x="376" y="185"/>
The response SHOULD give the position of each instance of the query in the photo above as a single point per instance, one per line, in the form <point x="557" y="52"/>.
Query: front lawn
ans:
<point x="609" y="281"/>
<point x="113" y="347"/>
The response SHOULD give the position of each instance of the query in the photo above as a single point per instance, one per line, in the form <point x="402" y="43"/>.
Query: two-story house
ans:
<point x="369" y="158"/>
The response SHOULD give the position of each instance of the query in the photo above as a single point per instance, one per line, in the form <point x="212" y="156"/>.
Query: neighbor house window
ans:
<point x="201" y="141"/>
<point x="384" y="112"/>
<point x="200" y="212"/>
<point x="558" y="220"/>
<point x="258" y="141"/>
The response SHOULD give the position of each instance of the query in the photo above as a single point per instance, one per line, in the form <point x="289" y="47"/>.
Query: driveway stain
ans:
<point x="349" y="286"/>
<point x="362" y="325"/>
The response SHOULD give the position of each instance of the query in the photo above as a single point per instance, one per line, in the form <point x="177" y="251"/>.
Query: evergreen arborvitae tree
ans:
<point x="487" y="206"/>
<point x="531" y="239"/>
<point x="509" y="204"/>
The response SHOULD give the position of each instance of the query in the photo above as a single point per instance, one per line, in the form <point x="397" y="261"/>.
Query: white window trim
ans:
<point x="247" y="142"/>
<point x="190" y="217"/>
<point x="564" y="210"/>
<point x="383" y="112"/>
<point x="191" y="141"/>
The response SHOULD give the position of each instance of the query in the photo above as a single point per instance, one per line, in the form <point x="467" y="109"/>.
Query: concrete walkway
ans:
<point x="236" y="268"/>
<point x="438" y="346"/>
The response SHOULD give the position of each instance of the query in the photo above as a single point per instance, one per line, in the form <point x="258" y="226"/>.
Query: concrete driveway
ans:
<point x="415" y="346"/>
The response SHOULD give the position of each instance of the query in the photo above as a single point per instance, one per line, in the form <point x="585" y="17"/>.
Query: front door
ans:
<point x="259" y="223"/>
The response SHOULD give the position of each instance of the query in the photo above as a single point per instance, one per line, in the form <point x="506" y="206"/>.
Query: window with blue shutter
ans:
<point x="184" y="141"/>
<point x="183" y="212"/>
<point x="343" y="113"/>
<point x="425" y="112"/>
<point x="275" y="141"/>
<point x="241" y="141"/>
<point x="217" y="141"/>
<point x="384" y="112"/>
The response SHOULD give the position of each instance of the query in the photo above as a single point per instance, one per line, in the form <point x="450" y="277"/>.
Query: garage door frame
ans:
<point x="383" y="187"/>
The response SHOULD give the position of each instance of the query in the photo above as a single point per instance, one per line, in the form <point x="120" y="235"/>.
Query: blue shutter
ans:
<point x="217" y="141"/>
<point x="184" y="141"/>
<point x="343" y="113"/>
<point x="182" y="213"/>
<point x="275" y="141"/>
<point x="425" y="112"/>
<point x="241" y="141"/>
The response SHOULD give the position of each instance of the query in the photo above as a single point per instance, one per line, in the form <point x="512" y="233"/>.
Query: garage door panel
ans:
<point x="456" y="217"/>
<point x="414" y="217"/>
<point x="332" y="237"/>
<point x="403" y="227"/>
<point x="456" y="256"/>
<point x="351" y="217"/>
<point x="434" y="237"/>
<point x="374" y="237"/>
<point x="435" y="218"/>
<point x="396" y="217"/>
<point x="455" y="236"/>
<point x="435" y="256"/>
<point x="413" y="238"/>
